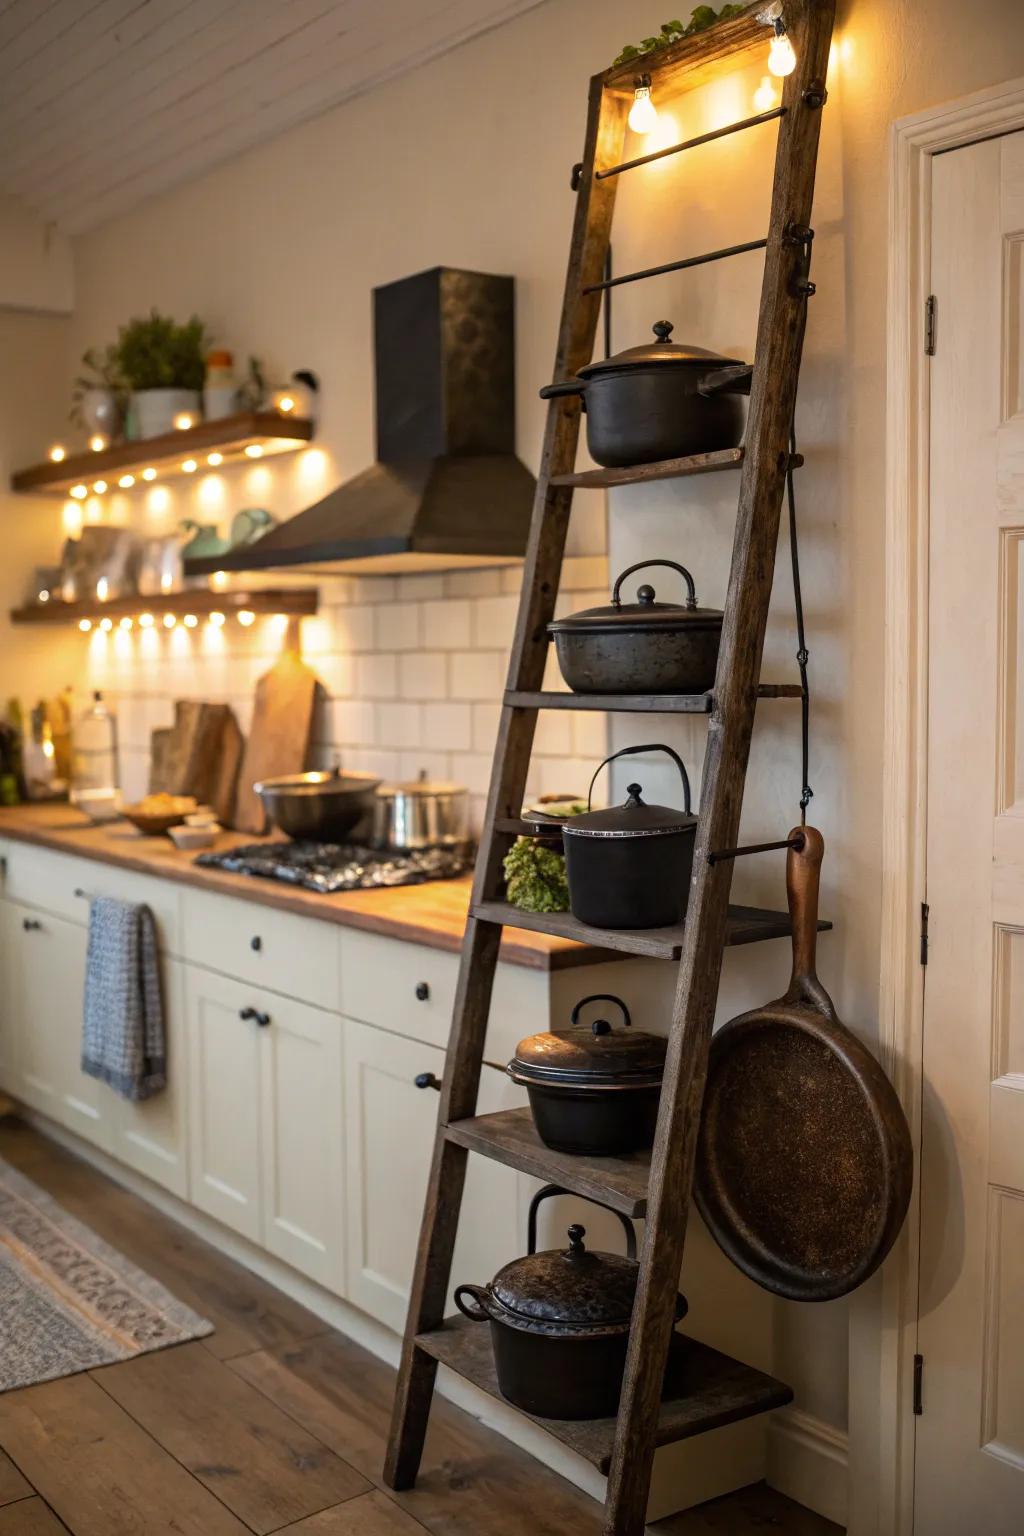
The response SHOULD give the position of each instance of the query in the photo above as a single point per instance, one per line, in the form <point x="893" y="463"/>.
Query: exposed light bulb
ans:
<point x="764" y="96"/>
<point x="285" y="403"/>
<point x="149" y="474"/>
<point x="146" y="621"/>
<point x="126" y="482"/>
<point x="781" y="57"/>
<point x="85" y="625"/>
<point x="97" y="442"/>
<point x="246" y="617"/>
<point x="190" y="621"/>
<point x="106" y="625"/>
<point x="643" y="114"/>
<point x="99" y="486"/>
<point x="126" y="623"/>
<point x="169" y="621"/>
<point x="213" y="459"/>
<point x="57" y="454"/>
<point x="254" y="450"/>
<point x="216" y="619"/>
<point x="44" y="595"/>
<point x="189" y="466"/>
<point x="79" y="492"/>
<point x="183" y="420"/>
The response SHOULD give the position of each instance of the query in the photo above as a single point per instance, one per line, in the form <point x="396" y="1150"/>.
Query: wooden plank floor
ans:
<point x="273" y="1424"/>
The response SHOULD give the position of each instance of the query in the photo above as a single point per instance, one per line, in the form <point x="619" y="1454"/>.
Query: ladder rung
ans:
<point x="677" y="266"/>
<point x="661" y="469"/>
<point x="702" y="138"/>
<point x="640" y="703"/>
<point x="746" y="925"/>
<point x="703" y="1389"/>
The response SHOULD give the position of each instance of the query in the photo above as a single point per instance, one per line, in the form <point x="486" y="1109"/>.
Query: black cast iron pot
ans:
<point x="629" y="866"/>
<point x="663" y="400"/>
<point x="559" y="1326"/>
<point x="593" y="1090"/>
<point x="641" y="647"/>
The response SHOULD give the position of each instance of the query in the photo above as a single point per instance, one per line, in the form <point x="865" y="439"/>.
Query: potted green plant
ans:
<point x="163" y="364"/>
<point x="98" y="395"/>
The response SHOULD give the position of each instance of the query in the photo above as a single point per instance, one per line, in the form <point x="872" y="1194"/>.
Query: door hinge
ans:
<point x="930" y="306"/>
<point x="918" y="1379"/>
<point x="924" y="933"/>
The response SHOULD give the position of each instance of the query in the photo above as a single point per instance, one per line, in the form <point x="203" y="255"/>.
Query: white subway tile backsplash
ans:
<point x="447" y="625"/>
<point x="447" y="727"/>
<point x="494" y="620"/>
<point x="478" y="675"/>
<point x="582" y="571"/>
<point x="419" y="587"/>
<point x="398" y="725"/>
<point x="376" y="677"/>
<point x="485" y="726"/>
<point x="396" y="627"/>
<point x="353" y="723"/>
<point x="553" y="737"/>
<point x="472" y="769"/>
<point x="570" y="776"/>
<point x="374" y="589"/>
<point x="590" y="734"/>
<point x="355" y="628"/>
<point x="436" y="765"/>
<point x="481" y="583"/>
<point x="423" y="675"/>
<point x="336" y="673"/>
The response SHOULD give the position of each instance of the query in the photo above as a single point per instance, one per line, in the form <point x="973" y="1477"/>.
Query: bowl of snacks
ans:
<point x="157" y="813"/>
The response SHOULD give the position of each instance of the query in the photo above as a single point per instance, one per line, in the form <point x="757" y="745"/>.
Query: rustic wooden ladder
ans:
<point x="712" y="1390"/>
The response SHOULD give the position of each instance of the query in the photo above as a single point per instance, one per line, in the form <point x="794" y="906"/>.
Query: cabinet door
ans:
<point x="302" y="1129"/>
<point x="151" y="1136"/>
<point x="390" y="1137"/>
<point x="225" y="1148"/>
<point x="8" y="997"/>
<point x="47" y="957"/>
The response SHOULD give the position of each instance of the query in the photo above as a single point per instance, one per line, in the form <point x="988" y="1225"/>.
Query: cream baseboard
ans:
<point x="807" y="1461"/>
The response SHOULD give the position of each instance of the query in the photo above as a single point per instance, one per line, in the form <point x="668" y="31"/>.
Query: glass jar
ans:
<point x="94" y="782"/>
<point x="220" y="391"/>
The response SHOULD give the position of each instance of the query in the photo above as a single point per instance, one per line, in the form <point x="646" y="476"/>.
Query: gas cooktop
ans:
<point x="330" y="867"/>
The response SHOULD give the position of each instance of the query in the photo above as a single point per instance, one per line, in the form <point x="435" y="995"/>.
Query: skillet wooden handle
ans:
<point x="803" y="877"/>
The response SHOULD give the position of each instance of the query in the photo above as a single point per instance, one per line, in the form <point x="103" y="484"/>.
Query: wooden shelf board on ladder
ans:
<point x="704" y="1389"/>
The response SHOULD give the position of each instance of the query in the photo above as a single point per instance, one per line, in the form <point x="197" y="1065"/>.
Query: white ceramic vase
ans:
<point x="100" y="413"/>
<point x="154" y="410"/>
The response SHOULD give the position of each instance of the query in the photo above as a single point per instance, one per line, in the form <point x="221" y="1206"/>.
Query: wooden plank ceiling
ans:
<point x="106" y="102"/>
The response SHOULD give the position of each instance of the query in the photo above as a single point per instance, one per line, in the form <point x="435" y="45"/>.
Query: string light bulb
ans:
<point x="99" y="486"/>
<point x="126" y="482"/>
<point x="97" y="442"/>
<point x="254" y="451"/>
<point x="106" y="625"/>
<point x="781" y="54"/>
<point x="149" y="474"/>
<point x="169" y="621"/>
<point x="79" y="492"/>
<point x="102" y="589"/>
<point x="126" y="622"/>
<point x="216" y="619"/>
<point x="643" y="114"/>
<point x="183" y="421"/>
<point x="189" y="466"/>
<point x="246" y="617"/>
<point x="213" y="459"/>
<point x="58" y="454"/>
<point x="190" y="621"/>
<point x="85" y="625"/>
<point x="146" y="621"/>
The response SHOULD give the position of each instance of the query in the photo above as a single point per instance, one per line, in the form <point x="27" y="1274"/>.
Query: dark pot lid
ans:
<point x="568" y="1291"/>
<point x="633" y="819"/>
<point x="646" y="614"/>
<point x="591" y="1055"/>
<point x="660" y="351"/>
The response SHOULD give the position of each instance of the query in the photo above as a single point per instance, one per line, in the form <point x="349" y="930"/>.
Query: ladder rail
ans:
<point x="605" y="136"/>
<point x="777" y="353"/>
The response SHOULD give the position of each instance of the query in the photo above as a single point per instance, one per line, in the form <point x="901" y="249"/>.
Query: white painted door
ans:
<point x="151" y="1136"/>
<point x="970" y="1437"/>
<point x="225" y="1147"/>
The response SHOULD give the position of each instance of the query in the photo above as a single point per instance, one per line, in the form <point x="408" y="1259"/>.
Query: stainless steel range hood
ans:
<point x="447" y="489"/>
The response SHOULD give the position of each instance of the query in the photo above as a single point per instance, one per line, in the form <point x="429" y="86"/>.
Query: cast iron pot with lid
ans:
<point x="629" y="866"/>
<point x="641" y="647"/>
<point x="662" y="400"/>
<point x="593" y="1089"/>
<point x="320" y="807"/>
<point x="560" y="1326"/>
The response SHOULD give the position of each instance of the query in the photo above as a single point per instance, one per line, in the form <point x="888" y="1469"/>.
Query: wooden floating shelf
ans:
<point x="696" y="60"/>
<point x="510" y="1137"/>
<point x="293" y="601"/>
<point x="268" y="431"/>
<point x="704" y="1389"/>
<point x="746" y="925"/>
<point x="641" y="703"/>
<point x="661" y="469"/>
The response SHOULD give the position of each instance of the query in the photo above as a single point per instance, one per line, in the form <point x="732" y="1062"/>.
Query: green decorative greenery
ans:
<point x="155" y="352"/>
<point x="535" y="877"/>
<point x="101" y="370"/>
<point x="673" y="31"/>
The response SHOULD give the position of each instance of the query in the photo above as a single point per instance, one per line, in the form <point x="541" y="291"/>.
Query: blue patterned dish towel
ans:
<point x="123" y="1040"/>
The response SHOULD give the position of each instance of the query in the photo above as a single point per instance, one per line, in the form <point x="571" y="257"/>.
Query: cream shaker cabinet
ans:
<point x="265" y="1131"/>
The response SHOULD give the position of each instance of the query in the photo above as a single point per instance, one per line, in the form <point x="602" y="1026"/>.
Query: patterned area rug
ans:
<point x="69" y="1302"/>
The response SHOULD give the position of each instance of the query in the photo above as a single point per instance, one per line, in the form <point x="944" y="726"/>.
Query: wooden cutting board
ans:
<point x="282" y="722"/>
<point x="199" y="755"/>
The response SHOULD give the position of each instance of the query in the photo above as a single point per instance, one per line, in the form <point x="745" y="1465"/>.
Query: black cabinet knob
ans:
<point x="427" y="1080"/>
<point x="254" y="1014"/>
<point x="256" y="943"/>
<point x="31" y="924"/>
<point x="422" y="990"/>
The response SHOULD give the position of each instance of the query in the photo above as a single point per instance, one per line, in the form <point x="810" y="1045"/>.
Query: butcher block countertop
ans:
<point x="432" y="914"/>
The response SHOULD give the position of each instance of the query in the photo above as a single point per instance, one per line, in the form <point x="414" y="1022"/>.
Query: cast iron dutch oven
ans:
<point x="593" y="1089"/>
<point x="641" y="647"/>
<point x="629" y="866"/>
<point x="321" y="807"/>
<point x="663" y="400"/>
<point x="560" y="1326"/>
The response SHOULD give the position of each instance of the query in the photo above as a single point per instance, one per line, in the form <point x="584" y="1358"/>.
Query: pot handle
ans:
<point x="654" y="746"/>
<point x="734" y="380"/>
<point x="566" y="387"/>
<point x="556" y="1189"/>
<point x="476" y="1310"/>
<point x="643" y="565"/>
<point x="600" y="997"/>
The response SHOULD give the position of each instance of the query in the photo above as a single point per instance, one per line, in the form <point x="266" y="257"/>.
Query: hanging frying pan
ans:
<point x="804" y="1160"/>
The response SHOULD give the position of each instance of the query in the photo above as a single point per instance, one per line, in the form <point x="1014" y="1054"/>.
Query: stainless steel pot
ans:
<point x="320" y="807"/>
<point x="420" y="814"/>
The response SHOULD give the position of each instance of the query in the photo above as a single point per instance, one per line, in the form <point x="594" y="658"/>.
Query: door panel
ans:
<point x="151" y="1136"/>
<point x="225" y="1145"/>
<point x="970" y="1437"/>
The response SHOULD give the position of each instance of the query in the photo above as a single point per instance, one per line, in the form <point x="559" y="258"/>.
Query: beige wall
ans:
<point x="466" y="162"/>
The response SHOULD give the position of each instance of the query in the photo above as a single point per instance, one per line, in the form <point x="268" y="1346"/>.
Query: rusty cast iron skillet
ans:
<point x="804" y="1159"/>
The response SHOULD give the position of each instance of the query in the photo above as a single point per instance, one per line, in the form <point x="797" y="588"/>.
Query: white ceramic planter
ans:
<point x="100" y="412"/>
<point x="154" y="410"/>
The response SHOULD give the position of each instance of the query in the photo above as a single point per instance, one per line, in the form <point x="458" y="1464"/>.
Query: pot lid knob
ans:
<point x="634" y="791"/>
<point x="576" y="1246"/>
<point x="663" y="329"/>
<point x="601" y="1027"/>
<point x="645" y="595"/>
